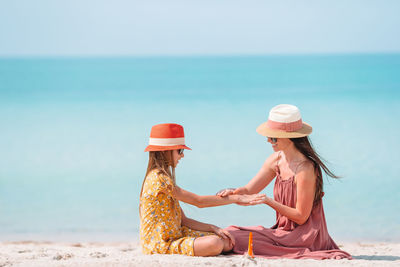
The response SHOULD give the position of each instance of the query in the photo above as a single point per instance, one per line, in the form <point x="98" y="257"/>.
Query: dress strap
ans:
<point x="279" y="158"/>
<point x="277" y="162"/>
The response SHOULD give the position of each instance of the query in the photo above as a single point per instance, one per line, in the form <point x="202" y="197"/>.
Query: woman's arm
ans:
<point x="264" y="176"/>
<point x="305" y="181"/>
<point x="207" y="201"/>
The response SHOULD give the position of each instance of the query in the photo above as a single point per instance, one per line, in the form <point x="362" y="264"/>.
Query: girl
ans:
<point x="164" y="228"/>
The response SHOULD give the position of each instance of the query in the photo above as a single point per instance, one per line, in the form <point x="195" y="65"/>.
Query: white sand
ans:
<point x="129" y="254"/>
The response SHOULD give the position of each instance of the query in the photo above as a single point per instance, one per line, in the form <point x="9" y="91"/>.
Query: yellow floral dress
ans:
<point x="160" y="219"/>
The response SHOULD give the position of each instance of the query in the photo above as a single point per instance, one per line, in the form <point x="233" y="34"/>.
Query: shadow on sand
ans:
<point x="376" y="258"/>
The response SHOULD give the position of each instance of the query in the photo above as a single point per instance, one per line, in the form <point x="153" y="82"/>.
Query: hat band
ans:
<point x="167" y="141"/>
<point x="285" y="126"/>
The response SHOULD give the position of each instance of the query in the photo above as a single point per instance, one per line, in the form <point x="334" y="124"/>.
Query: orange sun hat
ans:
<point x="166" y="136"/>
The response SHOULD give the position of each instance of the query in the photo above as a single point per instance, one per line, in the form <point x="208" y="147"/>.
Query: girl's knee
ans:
<point x="208" y="246"/>
<point x="216" y="245"/>
<point x="228" y="246"/>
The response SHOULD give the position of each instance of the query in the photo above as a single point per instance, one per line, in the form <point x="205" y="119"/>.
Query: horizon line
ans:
<point x="205" y="55"/>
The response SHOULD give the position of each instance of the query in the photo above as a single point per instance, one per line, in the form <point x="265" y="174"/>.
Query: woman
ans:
<point x="300" y="230"/>
<point x="164" y="228"/>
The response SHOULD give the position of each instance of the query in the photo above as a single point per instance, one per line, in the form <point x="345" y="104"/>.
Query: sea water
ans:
<point x="73" y="131"/>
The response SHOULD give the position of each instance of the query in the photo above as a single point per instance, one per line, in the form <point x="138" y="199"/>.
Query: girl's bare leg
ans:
<point x="227" y="245"/>
<point x="211" y="245"/>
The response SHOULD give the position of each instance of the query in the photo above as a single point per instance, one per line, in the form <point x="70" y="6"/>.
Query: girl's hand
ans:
<point x="247" y="200"/>
<point x="223" y="234"/>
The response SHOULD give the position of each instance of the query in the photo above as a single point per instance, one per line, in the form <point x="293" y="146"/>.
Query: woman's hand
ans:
<point x="223" y="234"/>
<point x="232" y="191"/>
<point x="225" y="192"/>
<point x="248" y="200"/>
<point x="259" y="199"/>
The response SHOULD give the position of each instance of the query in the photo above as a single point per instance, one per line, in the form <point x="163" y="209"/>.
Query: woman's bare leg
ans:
<point x="211" y="245"/>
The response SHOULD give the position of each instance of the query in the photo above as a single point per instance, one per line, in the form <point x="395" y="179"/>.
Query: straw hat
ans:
<point x="166" y="136"/>
<point x="284" y="121"/>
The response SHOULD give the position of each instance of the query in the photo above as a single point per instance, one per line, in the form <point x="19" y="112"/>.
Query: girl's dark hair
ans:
<point x="303" y="144"/>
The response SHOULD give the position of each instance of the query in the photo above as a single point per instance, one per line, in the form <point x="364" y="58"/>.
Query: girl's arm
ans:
<point x="207" y="201"/>
<point x="305" y="182"/>
<point x="196" y="225"/>
<point x="264" y="176"/>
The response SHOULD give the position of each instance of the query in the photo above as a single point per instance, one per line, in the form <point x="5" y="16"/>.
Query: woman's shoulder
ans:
<point x="306" y="170"/>
<point x="306" y="165"/>
<point x="273" y="160"/>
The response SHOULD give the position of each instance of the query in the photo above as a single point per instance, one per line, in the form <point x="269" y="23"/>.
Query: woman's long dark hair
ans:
<point x="303" y="144"/>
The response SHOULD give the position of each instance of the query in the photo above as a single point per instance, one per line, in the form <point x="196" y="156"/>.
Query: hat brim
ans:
<point x="165" y="148"/>
<point x="264" y="130"/>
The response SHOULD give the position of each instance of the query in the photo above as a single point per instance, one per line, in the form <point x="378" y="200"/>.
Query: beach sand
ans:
<point x="31" y="253"/>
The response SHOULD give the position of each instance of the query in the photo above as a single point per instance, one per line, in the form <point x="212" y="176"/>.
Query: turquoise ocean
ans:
<point x="73" y="131"/>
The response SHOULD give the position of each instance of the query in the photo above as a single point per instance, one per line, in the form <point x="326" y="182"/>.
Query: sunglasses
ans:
<point x="180" y="151"/>
<point x="274" y="140"/>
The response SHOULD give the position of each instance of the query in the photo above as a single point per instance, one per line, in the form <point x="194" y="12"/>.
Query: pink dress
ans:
<point x="286" y="239"/>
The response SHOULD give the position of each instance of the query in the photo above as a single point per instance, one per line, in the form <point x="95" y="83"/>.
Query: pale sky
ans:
<point x="187" y="27"/>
